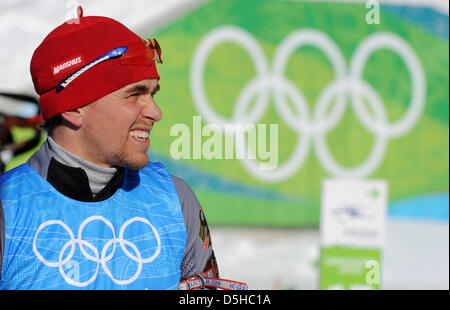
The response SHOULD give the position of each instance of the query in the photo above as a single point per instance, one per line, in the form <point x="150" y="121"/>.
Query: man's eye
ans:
<point x="134" y="95"/>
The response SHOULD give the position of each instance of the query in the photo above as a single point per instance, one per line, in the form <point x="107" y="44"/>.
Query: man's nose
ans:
<point x="150" y="109"/>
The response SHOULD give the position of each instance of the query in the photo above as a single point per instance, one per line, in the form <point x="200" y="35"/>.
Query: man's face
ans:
<point x="116" y="127"/>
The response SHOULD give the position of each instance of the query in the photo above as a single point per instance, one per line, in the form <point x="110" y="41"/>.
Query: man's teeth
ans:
<point x="139" y="134"/>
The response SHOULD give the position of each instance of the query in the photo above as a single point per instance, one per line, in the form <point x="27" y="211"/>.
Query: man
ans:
<point x="88" y="210"/>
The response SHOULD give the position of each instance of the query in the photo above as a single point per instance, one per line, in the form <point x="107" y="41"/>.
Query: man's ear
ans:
<point x="73" y="117"/>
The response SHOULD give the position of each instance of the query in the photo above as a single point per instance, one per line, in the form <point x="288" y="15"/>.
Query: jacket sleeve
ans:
<point x="199" y="256"/>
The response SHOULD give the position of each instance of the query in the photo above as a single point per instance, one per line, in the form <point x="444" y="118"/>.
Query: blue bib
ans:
<point x="135" y="239"/>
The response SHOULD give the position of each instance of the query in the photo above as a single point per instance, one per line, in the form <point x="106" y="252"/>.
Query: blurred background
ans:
<point x="394" y="55"/>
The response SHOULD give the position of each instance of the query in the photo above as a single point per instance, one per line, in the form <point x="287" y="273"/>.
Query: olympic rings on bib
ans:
<point x="316" y="125"/>
<point x="99" y="257"/>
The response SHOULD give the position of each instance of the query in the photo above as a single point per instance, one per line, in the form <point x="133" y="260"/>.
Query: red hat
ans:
<point x="87" y="58"/>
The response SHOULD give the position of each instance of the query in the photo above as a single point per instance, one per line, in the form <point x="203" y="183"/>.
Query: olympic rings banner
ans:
<point x="350" y="99"/>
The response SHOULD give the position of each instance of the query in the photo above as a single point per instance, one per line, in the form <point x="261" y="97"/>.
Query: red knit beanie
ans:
<point x="69" y="68"/>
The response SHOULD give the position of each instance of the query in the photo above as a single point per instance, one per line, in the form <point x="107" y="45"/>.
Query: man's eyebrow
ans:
<point x="142" y="89"/>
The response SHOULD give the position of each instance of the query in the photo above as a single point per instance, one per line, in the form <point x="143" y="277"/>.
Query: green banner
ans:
<point x="396" y="71"/>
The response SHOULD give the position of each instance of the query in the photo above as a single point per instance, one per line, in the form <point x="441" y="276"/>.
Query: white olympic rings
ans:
<point x="99" y="258"/>
<point x="317" y="124"/>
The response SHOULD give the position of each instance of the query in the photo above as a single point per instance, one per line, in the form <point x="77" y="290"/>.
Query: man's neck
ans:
<point x="98" y="176"/>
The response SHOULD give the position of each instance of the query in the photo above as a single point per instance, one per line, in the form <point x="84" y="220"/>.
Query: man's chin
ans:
<point x="135" y="163"/>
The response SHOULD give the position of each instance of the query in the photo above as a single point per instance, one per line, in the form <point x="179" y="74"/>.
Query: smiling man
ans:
<point x="89" y="210"/>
